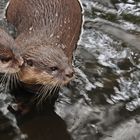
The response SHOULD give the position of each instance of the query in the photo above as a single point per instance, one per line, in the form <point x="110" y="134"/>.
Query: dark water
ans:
<point x="103" y="102"/>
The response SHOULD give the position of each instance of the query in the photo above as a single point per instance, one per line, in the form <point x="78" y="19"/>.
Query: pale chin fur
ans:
<point x="5" y="68"/>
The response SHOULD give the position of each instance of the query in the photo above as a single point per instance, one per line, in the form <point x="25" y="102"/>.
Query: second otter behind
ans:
<point x="10" y="59"/>
<point x="47" y="34"/>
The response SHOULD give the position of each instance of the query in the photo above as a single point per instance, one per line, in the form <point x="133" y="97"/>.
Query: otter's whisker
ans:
<point x="7" y="83"/>
<point x="45" y="91"/>
<point x="41" y="95"/>
<point x="17" y="82"/>
<point x="3" y="78"/>
<point x="55" y="89"/>
<point x="41" y="92"/>
<point x="47" y="94"/>
<point x="14" y="81"/>
<point x="17" y="79"/>
<point x="11" y="81"/>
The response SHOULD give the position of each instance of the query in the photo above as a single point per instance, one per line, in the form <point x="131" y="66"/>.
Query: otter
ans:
<point x="10" y="59"/>
<point x="47" y="34"/>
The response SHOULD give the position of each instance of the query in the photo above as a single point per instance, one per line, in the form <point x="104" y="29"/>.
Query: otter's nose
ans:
<point x="69" y="72"/>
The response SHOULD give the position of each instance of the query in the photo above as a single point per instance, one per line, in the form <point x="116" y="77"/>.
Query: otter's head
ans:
<point x="46" y="65"/>
<point x="10" y="60"/>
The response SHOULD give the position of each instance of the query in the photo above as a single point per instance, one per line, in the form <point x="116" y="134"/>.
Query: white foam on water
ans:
<point x="89" y="86"/>
<point x="128" y="9"/>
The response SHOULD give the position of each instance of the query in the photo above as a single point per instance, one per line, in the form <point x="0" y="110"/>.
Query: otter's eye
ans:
<point x="5" y="59"/>
<point x="29" y="62"/>
<point x="54" y="68"/>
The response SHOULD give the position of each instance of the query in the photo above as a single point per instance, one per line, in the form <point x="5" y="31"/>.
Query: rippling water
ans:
<point x="103" y="102"/>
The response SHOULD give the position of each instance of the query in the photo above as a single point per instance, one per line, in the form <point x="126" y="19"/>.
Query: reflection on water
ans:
<point x="103" y="102"/>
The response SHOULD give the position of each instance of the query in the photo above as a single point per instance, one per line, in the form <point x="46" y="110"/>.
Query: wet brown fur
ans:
<point x="43" y="25"/>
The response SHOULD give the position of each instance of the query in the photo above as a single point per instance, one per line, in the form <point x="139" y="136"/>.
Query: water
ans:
<point x="103" y="102"/>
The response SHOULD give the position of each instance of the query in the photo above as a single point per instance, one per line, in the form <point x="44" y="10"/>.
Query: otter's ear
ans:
<point x="5" y="59"/>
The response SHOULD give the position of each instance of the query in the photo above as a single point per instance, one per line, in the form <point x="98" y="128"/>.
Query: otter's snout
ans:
<point x="21" y="61"/>
<point x="18" y="60"/>
<point x="69" y="72"/>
